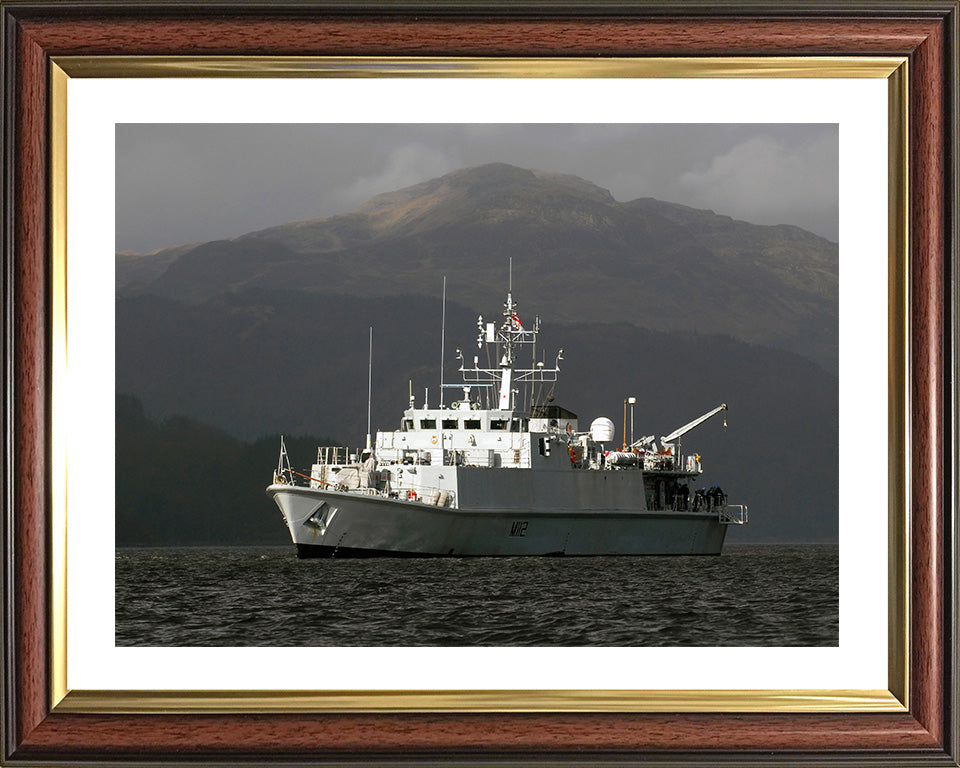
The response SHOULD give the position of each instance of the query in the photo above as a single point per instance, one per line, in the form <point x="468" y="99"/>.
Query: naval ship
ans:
<point x="504" y="471"/>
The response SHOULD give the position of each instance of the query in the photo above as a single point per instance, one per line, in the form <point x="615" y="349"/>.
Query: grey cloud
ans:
<point x="770" y="182"/>
<point x="404" y="166"/>
<point x="187" y="183"/>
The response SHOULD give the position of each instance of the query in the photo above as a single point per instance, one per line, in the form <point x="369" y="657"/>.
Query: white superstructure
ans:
<point x="503" y="471"/>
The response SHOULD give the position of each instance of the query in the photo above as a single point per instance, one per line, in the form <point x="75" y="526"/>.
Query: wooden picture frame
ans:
<point x="36" y="730"/>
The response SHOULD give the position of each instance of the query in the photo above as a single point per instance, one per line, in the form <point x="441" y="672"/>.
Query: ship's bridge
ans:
<point x="463" y="420"/>
<point x="541" y="418"/>
<point x="458" y="435"/>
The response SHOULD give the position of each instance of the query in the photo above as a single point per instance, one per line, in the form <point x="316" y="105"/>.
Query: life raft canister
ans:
<point x="411" y="495"/>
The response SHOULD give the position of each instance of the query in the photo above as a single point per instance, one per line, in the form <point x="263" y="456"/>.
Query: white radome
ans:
<point x="602" y="430"/>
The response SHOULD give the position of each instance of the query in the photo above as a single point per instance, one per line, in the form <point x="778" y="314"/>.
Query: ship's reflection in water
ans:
<point x="771" y="595"/>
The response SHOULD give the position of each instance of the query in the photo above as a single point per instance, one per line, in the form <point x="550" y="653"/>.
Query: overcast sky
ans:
<point x="179" y="184"/>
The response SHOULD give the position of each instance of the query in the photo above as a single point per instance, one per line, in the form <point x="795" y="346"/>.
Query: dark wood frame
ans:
<point x="925" y="32"/>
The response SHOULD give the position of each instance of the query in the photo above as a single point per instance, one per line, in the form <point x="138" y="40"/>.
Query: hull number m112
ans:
<point x="519" y="528"/>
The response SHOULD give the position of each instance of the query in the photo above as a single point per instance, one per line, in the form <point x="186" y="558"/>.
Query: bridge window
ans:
<point x="498" y="423"/>
<point x="406" y="425"/>
<point x="428" y="423"/>
<point x="449" y="423"/>
<point x="471" y="423"/>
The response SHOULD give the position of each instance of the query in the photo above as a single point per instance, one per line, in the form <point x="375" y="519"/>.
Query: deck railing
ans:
<point x="733" y="514"/>
<point x="338" y="455"/>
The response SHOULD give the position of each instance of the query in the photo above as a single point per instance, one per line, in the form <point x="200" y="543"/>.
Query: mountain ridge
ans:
<point x="574" y="248"/>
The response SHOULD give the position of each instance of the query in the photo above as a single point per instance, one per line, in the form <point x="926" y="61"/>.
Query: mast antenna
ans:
<point x="283" y="461"/>
<point x="443" y="326"/>
<point x="369" y="384"/>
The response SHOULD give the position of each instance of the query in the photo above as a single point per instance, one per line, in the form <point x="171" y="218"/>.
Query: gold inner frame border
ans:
<point x="895" y="699"/>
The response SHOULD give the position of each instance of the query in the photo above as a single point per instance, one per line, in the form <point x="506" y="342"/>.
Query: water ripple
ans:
<point x="752" y="595"/>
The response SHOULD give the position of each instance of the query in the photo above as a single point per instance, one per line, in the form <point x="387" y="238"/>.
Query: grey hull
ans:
<point x="356" y="525"/>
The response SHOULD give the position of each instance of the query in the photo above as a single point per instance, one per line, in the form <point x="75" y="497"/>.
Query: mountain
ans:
<point x="578" y="254"/>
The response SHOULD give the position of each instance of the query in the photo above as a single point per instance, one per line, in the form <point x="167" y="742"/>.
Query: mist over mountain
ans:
<point x="578" y="254"/>
<point x="228" y="341"/>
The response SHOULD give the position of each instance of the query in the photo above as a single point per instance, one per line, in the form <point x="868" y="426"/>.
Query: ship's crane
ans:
<point x="696" y="422"/>
<point x="665" y="444"/>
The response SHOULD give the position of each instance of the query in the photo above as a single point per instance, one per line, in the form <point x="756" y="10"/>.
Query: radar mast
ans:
<point x="507" y="341"/>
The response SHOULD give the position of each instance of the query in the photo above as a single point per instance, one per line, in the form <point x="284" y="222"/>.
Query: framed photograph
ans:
<point x="102" y="102"/>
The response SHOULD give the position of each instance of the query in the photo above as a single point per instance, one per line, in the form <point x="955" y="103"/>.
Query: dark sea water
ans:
<point x="751" y="595"/>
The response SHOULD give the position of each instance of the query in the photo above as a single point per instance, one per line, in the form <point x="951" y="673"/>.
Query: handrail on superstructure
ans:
<point x="733" y="514"/>
<point x="331" y="454"/>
